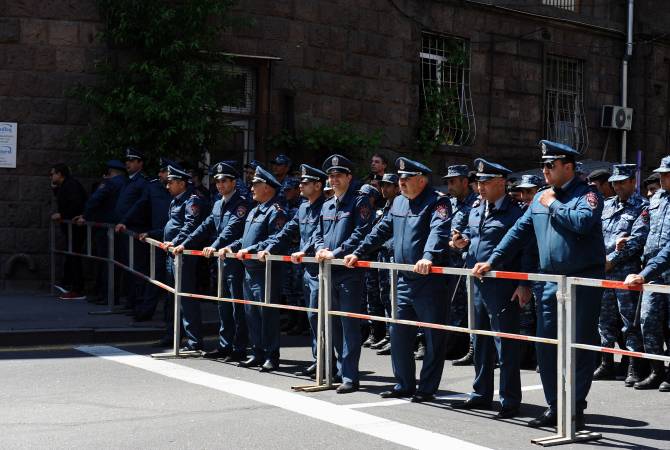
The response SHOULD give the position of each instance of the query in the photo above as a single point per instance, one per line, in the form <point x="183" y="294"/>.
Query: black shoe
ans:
<point x="188" y="348"/>
<point x="547" y="419"/>
<point x="420" y="397"/>
<point x="665" y="386"/>
<point x="380" y="343"/>
<point x="468" y="359"/>
<point x="234" y="357"/>
<point x="655" y="378"/>
<point x="307" y="371"/>
<point x="219" y="353"/>
<point x="269" y="366"/>
<point x="347" y="387"/>
<point x="385" y="350"/>
<point x="371" y="340"/>
<point x="252" y="361"/>
<point x="393" y="393"/>
<point x="507" y="413"/>
<point x="420" y="352"/>
<point x="473" y="403"/>
<point x="606" y="369"/>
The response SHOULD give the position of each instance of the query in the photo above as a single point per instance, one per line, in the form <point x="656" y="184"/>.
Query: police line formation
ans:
<point x="484" y="223"/>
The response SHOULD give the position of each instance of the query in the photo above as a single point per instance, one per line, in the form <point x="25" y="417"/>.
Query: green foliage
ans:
<point x="324" y="140"/>
<point x="157" y="83"/>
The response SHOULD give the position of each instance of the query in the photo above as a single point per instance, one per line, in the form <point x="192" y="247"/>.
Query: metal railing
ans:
<point x="566" y="318"/>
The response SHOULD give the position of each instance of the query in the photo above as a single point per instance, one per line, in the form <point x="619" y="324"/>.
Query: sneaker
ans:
<point x="72" y="295"/>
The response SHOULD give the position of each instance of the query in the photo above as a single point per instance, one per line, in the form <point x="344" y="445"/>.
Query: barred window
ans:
<point x="239" y="90"/>
<point x="564" y="102"/>
<point x="570" y="5"/>
<point x="445" y="88"/>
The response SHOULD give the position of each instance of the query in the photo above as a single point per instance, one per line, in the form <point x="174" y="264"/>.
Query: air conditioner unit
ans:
<point x="616" y="117"/>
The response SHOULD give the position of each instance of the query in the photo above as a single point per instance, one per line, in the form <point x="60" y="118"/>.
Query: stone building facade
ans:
<point x="530" y="68"/>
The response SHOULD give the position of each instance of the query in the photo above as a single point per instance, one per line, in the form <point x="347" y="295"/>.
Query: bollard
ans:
<point x="268" y="281"/>
<point x="328" y="332"/>
<point x="177" y="303"/>
<point x="394" y="294"/>
<point x="110" y="268"/>
<point x="52" y="255"/>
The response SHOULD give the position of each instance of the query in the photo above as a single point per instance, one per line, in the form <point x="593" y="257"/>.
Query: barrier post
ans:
<point x="470" y="285"/>
<point x="393" y="294"/>
<point x="321" y="328"/>
<point x="131" y="252"/>
<point x="69" y="237"/>
<point x="52" y="254"/>
<point x="219" y="277"/>
<point x="327" y="328"/>
<point x="89" y="246"/>
<point x="177" y="303"/>
<point x="110" y="268"/>
<point x="268" y="281"/>
<point x="152" y="262"/>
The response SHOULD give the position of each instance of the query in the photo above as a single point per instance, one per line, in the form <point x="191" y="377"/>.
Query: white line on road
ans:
<point x="378" y="427"/>
<point x="402" y="401"/>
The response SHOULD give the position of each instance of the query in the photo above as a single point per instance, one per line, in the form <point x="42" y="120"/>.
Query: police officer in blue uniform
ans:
<point x="131" y="193"/>
<point x="101" y="207"/>
<point x="655" y="308"/>
<point x="420" y="223"/>
<point x="346" y="218"/>
<point x="565" y="218"/>
<point x="263" y="221"/>
<point x="223" y="226"/>
<point x="301" y="227"/>
<point x="618" y="307"/>
<point x="152" y="208"/>
<point x="462" y="199"/>
<point x="186" y="214"/>
<point x="496" y="302"/>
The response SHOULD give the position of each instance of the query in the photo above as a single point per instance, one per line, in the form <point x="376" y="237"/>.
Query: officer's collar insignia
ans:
<point x="481" y="166"/>
<point x="401" y="165"/>
<point x="544" y="148"/>
<point x="335" y="161"/>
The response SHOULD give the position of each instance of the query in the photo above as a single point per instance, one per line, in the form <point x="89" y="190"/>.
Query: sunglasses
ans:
<point x="549" y="165"/>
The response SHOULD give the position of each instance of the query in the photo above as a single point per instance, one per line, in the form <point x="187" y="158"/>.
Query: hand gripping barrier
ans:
<point x="566" y="295"/>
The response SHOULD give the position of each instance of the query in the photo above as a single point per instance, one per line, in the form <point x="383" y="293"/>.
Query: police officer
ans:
<point x="462" y="199"/>
<point x="496" y="302"/>
<point x="655" y="308"/>
<point x="598" y="178"/>
<point x="420" y="223"/>
<point x="186" y="214"/>
<point x="153" y="208"/>
<point x="301" y="227"/>
<point x="619" y="306"/>
<point x="223" y="226"/>
<point x="346" y="218"/>
<point x="263" y="221"/>
<point x="101" y="207"/>
<point x="131" y="193"/>
<point x="565" y="219"/>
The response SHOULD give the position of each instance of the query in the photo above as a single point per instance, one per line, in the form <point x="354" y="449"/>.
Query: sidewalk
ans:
<point x="42" y="319"/>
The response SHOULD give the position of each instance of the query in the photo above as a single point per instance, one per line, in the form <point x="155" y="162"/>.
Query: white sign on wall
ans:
<point x="8" y="134"/>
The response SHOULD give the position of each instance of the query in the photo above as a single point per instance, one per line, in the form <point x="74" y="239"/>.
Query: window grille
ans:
<point x="569" y="5"/>
<point x="445" y="78"/>
<point x="564" y="102"/>
<point x="238" y="90"/>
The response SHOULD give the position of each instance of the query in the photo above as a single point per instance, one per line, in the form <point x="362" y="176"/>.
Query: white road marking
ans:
<point x="378" y="427"/>
<point x="402" y="401"/>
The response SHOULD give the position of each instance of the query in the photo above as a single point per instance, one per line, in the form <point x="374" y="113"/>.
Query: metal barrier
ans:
<point x="565" y="340"/>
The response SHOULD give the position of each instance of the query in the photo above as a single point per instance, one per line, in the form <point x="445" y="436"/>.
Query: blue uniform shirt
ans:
<point x="224" y="224"/>
<point x="262" y="222"/>
<point x="152" y="208"/>
<point x="420" y="229"/>
<point x="659" y="224"/>
<point x="301" y="227"/>
<point x="569" y="233"/>
<point x="619" y="220"/>
<point x="185" y="215"/>
<point x="131" y="193"/>
<point x="101" y="205"/>
<point x="344" y="223"/>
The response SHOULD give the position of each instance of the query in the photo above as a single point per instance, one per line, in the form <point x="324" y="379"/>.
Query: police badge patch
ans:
<point x="544" y="148"/>
<point x="401" y="165"/>
<point x="441" y="211"/>
<point x="194" y="209"/>
<point x="645" y="216"/>
<point x="335" y="161"/>
<point x="592" y="200"/>
<point x="481" y="166"/>
<point x="365" y="212"/>
<point x="304" y="171"/>
<point x="241" y="211"/>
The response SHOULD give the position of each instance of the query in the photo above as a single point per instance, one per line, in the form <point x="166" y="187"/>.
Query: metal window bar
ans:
<point x="445" y="68"/>
<point x="565" y="120"/>
<point x="569" y="5"/>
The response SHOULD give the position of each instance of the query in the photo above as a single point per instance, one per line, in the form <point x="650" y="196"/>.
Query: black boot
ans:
<point x="665" y="386"/>
<point x="635" y="371"/>
<point x="605" y="370"/>
<point x="655" y="378"/>
<point x="468" y="359"/>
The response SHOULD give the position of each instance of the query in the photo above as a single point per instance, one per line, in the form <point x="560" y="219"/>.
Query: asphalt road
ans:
<point x="109" y="397"/>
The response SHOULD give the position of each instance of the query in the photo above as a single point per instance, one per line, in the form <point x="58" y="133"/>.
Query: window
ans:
<point x="569" y="5"/>
<point x="445" y="88"/>
<point x="239" y="90"/>
<point x="564" y="102"/>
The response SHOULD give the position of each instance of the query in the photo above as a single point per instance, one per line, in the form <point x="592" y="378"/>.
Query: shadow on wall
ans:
<point x="18" y="274"/>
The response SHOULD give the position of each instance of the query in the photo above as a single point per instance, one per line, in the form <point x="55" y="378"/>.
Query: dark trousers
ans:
<point x="190" y="308"/>
<point x="494" y="311"/>
<point x="151" y="294"/>
<point x="346" y="296"/>
<point x="262" y="322"/>
<point x="587" y="306"/>
<point x="233" y="333"/>
<point x="310" y="289"/>
<point x="419" y="299"/>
